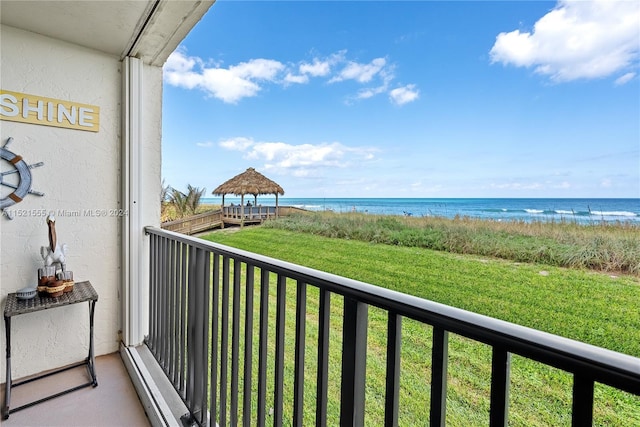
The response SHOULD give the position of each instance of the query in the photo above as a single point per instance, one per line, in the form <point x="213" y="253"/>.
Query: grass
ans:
<point x="603" y="246"/>
<point x="584" y="305"/>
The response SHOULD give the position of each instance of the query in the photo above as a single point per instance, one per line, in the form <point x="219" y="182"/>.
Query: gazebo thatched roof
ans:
<point x="249" y="182"/>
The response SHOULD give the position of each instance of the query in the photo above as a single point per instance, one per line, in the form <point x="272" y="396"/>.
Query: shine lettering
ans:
<point x="34" y="109"/>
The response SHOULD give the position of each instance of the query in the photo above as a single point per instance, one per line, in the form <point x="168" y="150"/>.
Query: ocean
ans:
<point x="572" y="210"/>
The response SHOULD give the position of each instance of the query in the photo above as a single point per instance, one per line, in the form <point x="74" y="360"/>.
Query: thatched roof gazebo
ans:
<point x="249" y="182"/>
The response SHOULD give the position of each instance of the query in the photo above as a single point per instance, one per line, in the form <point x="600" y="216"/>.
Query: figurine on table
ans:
<point x="54" y="277"/>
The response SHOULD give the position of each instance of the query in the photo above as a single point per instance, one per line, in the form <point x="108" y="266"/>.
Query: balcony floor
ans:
<point x="113" y="403"/>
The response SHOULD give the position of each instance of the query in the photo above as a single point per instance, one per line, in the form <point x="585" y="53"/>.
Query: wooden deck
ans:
<point x="228" y="215"/>
<point x="196" y="224"/>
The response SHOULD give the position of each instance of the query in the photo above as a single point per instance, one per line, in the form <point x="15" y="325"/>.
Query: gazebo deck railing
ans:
<point x="249" y="212"/>
<point x="197" y="312"/>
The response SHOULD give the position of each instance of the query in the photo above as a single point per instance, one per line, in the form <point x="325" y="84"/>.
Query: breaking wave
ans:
<point x="625" y="214"/>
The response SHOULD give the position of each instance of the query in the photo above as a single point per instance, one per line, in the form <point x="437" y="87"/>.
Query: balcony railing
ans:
<point x="202" y="296"/>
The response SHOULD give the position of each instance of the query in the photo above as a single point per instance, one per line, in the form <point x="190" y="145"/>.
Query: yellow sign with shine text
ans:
<point x="25" y="108"/>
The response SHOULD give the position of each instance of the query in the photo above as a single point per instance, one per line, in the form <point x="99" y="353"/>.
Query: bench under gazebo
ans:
<point x="249" y="182"/>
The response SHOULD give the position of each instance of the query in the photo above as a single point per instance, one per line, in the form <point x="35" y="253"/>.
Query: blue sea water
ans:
<point x="572" y="210"/>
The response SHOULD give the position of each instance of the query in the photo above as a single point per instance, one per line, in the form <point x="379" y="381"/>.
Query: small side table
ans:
<point x="82" y="291"/>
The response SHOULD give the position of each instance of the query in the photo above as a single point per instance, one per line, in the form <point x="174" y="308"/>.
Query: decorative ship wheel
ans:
<point x="21" y="185"/>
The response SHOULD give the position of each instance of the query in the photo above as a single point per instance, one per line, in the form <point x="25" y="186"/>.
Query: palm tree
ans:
<point x="179" y="201"/>
<point x="164" y="192"/>
<point x="194" y="194"/>
<point x="164" y="200"/>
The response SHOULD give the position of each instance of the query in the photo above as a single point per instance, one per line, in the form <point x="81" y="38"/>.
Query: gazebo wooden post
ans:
<point x="242" y="210"/>
<point x="255" y="206"/>
<point x="222" y="214"/>
<point x="276" y="205"/>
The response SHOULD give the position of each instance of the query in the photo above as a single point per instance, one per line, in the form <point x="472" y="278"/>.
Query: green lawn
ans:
<point x="596" y="308"/>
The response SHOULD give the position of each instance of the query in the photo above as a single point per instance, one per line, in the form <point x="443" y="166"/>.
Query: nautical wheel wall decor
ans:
<point x="17" y="178"/>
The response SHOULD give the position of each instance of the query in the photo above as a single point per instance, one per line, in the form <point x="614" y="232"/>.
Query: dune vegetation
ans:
<point x="603" y="246"/>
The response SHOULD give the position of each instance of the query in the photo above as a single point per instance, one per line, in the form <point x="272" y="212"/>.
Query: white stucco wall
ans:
<point x="81" y="172"/>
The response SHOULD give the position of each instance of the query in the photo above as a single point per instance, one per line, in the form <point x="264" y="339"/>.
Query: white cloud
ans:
<point x="239" y="143"/>
<point x="300" y="79"/>
<point x="180" y="63"/>
<point x="321" y="67"/>
<point x="205" y="144"/>
<point x="371" y="91"/>
<point x="223" y="84"/>
<point x="387" y="77"/>
<point x="181" y="78"/>
<point x="281" y="155"/>
<point x="317" y="69"/>
<point x="404" y="95"/>
<point x="518" y="186"/>
<point x="606" y="183"/>
<point x="298" y="160"/>
<point x="577" y="39"/>
<point x="227" y="84"/>
<point x="259" y="69"/>
<point x="247" y="79"/>
<point x="362" y="73"/>
<point x="624" y="79"/>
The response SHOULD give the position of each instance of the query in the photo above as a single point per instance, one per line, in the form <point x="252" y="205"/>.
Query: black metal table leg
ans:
<point x="7" y="386"/>
<point x="91" y="362"/>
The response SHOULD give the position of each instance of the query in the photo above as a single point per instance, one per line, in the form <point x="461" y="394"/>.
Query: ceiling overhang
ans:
<point x="146" y="29"/>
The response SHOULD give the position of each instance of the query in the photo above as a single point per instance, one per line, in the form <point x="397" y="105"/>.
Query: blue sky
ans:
<point x="409" y="99"/>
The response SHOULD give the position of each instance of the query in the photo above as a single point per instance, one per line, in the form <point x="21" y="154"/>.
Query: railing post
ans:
<point x="213" y="386"/>
<point x="224" y="345"/>
<point x="500" y="369"/>
<point x="323" y="358"/>
<point x="235" y="343"/>
<point x="262" y="357"/>
<point x="354" y="362"/>
<point x="582" y="406"/>
<point x="439" y="362"/>
<point x="248" y="348"/>
<point x="191" y="335"/>
<point x="171" y="310"/>
<point x="281" y="298"/>
<point x="394" y="343"/>
<point x="153" y="287"/>
<point x="198" y="332"/>
<point x="298" y="384"/>
<point x="184" y="276"/>
<point x="204" y="295"/>
<point x="162" y="319"/>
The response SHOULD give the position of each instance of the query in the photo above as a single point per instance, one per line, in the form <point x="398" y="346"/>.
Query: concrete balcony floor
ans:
<point x="113" y="403"/>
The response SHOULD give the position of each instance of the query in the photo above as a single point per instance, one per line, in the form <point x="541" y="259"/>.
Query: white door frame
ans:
<point x="133" y="277"/>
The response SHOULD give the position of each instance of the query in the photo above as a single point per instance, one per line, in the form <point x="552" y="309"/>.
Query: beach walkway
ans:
<point x="228" y="216"/>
